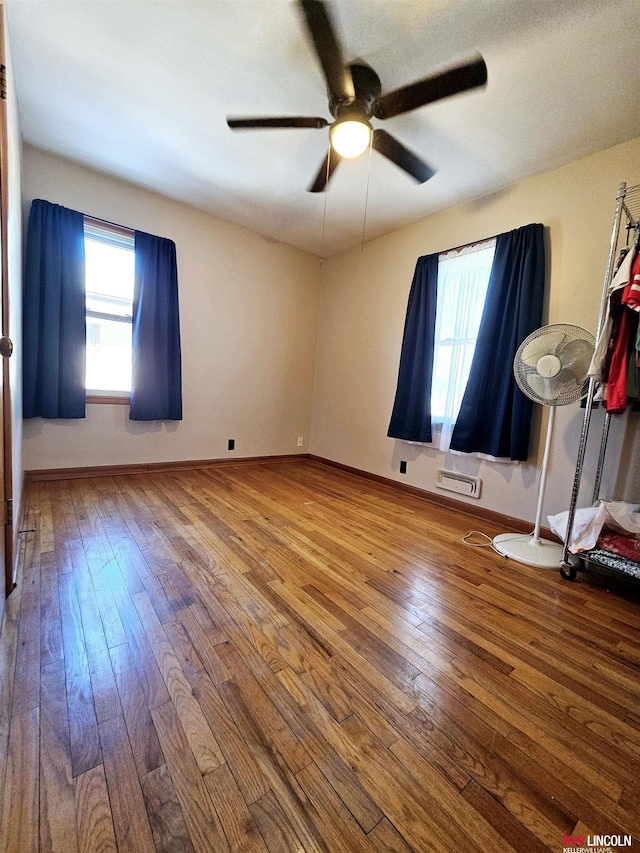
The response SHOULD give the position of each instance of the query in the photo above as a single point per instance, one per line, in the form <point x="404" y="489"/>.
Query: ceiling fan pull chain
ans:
<point x="324" y="210"/>
<point x="366" y="196"/>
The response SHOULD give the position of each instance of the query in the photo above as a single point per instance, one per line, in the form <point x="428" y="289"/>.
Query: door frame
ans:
<point x="6" y="484"/>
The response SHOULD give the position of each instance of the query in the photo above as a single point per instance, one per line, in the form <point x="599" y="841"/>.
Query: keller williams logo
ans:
<point x="600" y="842"/>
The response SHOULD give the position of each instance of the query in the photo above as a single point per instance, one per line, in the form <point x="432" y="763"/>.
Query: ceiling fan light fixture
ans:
<point x="350" y="138"/>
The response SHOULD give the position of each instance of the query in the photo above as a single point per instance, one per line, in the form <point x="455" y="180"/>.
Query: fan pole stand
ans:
<point x="532" y="550"/>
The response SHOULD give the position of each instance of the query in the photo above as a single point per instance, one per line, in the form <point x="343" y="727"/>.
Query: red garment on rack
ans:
<point x="631" y="295"/>
<point x="616" y="401"/>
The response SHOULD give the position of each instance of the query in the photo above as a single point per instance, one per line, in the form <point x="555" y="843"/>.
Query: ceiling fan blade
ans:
<point x="283" y="121"/>
<point x="324" y="174"/>
<point x="366" y="82"/>
<point x="320" y="28"/>
<point x="434" y="88"/>
<point x="395" y="151"/>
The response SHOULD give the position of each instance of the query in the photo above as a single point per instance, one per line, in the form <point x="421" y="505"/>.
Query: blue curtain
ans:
<point x="495" y="416"/>
<point x="411" y="416"/>
<point x="156" y="384"/>
<point x="54" y="314"/>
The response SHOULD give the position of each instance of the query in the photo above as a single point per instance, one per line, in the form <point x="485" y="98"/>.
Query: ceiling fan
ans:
<point x="355" y="97"/>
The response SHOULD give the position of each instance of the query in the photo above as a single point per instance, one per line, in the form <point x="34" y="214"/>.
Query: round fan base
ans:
<point x="542" y="554"/>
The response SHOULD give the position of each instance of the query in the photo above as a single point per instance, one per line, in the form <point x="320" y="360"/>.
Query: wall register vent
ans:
<point x="461" y="484"/>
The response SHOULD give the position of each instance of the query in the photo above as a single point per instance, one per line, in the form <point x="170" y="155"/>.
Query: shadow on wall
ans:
<point x="143" y="427"/>
<point x="460" y="462"/>
<point x="118" y="420"/>
<point x="627" y="487"/>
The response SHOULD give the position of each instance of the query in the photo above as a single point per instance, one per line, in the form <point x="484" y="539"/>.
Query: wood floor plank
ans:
<point x="237" y="822"/>
<point x="313" y="727"/>
<point x="155" y="690"/>
<point x="50" y="630"/>
<point x="83" y="727"/>
<point x="386" y="838"/>
<point x="539" y="719"/>
<point x="57" y="804"/>
<point x="522" y="840"/>
<point x="183" y="646"/>
<point x="282" y="782"/>
<point x="201" y="819"/>
<point x="308" y="728"/>
<point x="111" y="623"/>
<point x="142" y="734"/>
<point x="276" y="830"/>
<point x="93" y="813"/>
<point x="131" y="823"/>
<point x="335" y="823"/>
<point x="103" y="685"/>
<point x="203" y="640"/>
<point x="267" y="718"/>
<point x="165" y="815"/>
<point x="401" y="699"/>
<point x="390" y="784"/>
<point x="286" y="657"/>
<point x="247" y="773"/>
<point x="20" y="822"/>
<point x="201" y="739"/>
<point x="8" y="656"/>
<point x="26" y="684"/>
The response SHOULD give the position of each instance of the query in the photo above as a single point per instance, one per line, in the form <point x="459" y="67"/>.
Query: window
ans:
<point x="463" y="277"/>
<point x="109" y="278"/>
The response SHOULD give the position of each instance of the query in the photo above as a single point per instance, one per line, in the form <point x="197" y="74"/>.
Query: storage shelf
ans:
<point x="610" y="563"/>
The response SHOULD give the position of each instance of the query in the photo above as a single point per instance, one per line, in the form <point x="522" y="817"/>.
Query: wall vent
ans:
<point x="462" y="484"/>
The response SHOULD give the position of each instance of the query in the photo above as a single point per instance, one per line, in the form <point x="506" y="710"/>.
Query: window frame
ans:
<point x="124" y="237"/>
<point x="440" y="422"/>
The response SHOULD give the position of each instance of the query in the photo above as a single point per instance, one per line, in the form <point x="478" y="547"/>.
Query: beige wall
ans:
<point x="250" y="311"/>
<point x="249" y="317"/>
<point x="362" y="317"/>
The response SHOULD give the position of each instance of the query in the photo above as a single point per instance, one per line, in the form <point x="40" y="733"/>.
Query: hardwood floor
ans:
<point x="285" y="657"/>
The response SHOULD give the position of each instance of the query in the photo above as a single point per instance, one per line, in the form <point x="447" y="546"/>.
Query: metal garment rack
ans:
<point x="627" y="206"/>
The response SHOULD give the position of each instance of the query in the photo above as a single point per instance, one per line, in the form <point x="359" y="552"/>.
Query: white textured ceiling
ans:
<point x="141" y="90"/>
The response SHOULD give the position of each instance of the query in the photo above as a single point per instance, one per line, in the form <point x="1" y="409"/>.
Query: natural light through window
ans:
<point x="109" y="276"/>
<point x="463" y="276"/>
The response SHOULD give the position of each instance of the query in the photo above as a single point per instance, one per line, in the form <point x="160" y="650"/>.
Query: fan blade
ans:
<point x="365" y="81"/>
<point x="556" y="390"/>
<point x="338" y="77"/>
<point x="576" y="356"/>
<point x="544" y="344"/>
<point x="284" y="121"/>
<point x="324" y="174"/>
<point x="395" y="151"/>
<point x="543" y="388"/>
<point x="443" y="85"/>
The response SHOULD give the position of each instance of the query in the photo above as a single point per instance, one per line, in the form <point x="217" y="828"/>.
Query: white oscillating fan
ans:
<point x="551" y="368"/>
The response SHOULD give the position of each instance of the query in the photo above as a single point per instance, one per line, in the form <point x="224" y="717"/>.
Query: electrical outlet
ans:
<point x="232" y="444"/>
<point x="403" y="467"/>
<point x="300" y="440"/>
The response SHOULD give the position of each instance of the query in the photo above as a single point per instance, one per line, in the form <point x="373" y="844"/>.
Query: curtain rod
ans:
<point x="469" y="245"/>
<point x="107" y="222"/>
<point x="486" y="239"/>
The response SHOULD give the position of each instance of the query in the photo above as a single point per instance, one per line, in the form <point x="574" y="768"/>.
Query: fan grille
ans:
<point x="552" y="363"/>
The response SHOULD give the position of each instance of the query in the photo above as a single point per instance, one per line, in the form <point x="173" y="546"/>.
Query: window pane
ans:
<point x="109" y="280"/>
<point x="462" y="288"/>
<point x="108" y="355"/>
<point x="109" y="305"/>
<point x="109" y="270"/>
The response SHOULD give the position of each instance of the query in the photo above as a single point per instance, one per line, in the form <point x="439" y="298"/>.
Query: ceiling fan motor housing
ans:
<point x="367" y="86"/>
